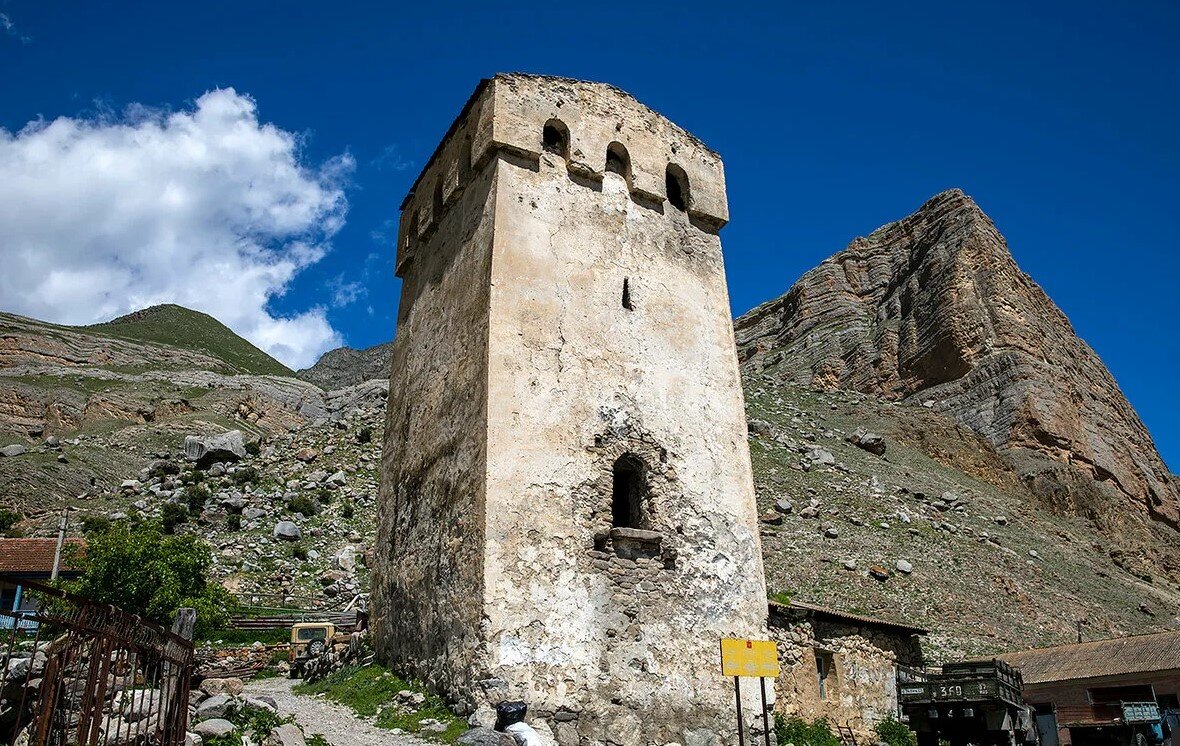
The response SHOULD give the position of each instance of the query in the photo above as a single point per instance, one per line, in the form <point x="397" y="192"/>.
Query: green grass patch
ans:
<point x="192" y="330"/>
<point x="371" y="691"/>
<point x="238" y="637"/>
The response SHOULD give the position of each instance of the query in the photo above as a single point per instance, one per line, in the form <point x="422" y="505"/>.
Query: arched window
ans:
<point x="618" y="161"/>
<point x="676" y="185"/>
<point x="555" y="138"/>
<point x="628" y="488"/>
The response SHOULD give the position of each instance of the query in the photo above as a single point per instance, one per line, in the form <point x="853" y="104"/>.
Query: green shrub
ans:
<point x="192" y="477"/>
<point x="304" y="504"/>
<point x="798" y="731"/>
<point x="365" y="435"/>
<point x="348" y="510"/>
<point x="245" y="475"/>
<point x="95" y="524"/>
<point x="324" y="496"/>
<point x="152" y="574"/>
<point x="8" y="520"/>
<point x="171" y="516"/>
<point x="782" y="597"/>
<point x="895" y="733"/>
<point x="233" y="522"/>
<point x="253" y="447"/>
<point x="299" y="552"/>
<point x="195" y="496"/>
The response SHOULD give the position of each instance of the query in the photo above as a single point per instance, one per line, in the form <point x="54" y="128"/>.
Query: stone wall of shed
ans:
<point x="861" y="691"/>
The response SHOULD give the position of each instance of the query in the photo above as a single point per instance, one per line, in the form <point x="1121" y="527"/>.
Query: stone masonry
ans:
<point x="566" y="511"/>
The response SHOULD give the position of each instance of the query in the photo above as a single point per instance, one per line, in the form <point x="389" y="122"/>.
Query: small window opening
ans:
<point x="627" y="293"/>
<point x="627" y="493"/>
<point x="676" y="185"/>
<point x="617" y="160"/>
<point x="823" y="672"/>
<point x="555" y="138"/>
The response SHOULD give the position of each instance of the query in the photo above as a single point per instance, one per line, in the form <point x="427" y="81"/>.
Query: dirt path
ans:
<point x="334" y="722"/>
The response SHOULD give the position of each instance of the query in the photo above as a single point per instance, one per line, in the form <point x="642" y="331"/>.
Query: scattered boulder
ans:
<point x="217" y="706"/>
<point x="287" y="734"/>
<point x="232" y="686"/>
<point x="214" y="728"/>
<point x="904" y="567"/>
<point x="208" y="449"/>
<point x="486" y="737"/>
<point x="13" y="450"/>
<point x="871" y="442"/>
<point x="307" y="455"/>
<point x="879" y="573"/>
<point x="783" y="506"/>
<point x="287" y="531"/>
<point x="819" y="456"/>
<point x="772" y="517"/>
<point x="761" y="428"/>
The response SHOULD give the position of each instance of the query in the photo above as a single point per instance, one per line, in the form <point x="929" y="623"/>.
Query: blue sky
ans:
<point x="833" y="118"/>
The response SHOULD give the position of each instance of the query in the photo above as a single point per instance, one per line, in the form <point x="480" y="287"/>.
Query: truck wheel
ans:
<point x="316" y="648"/>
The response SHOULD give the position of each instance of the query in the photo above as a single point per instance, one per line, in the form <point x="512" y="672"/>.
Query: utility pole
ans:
<point x="61" y="540"/>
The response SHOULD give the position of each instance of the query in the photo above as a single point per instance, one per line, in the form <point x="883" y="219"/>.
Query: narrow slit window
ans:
<point x="627" y="294"/>
<point x="627" y="493"/>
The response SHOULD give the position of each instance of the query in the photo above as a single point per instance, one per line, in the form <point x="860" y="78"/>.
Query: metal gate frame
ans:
<point x="102" y="665"/>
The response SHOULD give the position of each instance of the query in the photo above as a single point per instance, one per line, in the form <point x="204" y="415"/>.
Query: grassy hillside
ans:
<point x="181" y="327"/>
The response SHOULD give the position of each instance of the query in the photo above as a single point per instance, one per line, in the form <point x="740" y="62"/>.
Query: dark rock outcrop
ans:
<point x="345" y="366"/>
<point x="933" y="309"/>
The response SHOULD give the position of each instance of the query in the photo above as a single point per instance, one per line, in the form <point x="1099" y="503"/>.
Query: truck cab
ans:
<point x="973" y="702"/>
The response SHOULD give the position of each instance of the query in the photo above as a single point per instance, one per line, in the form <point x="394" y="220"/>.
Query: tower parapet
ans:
<point x="599" y="128"/>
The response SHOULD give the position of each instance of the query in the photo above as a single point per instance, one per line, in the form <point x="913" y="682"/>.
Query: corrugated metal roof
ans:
<point x="34" y="556"/>
<point x="1148" y="653"/>
<point x="845" y="616"/>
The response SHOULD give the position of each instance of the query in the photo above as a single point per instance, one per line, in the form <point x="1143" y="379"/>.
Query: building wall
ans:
<point x="610" y="636"/>
<point x="1071" y="700"/>
<point x="860" y="691"/>
<point x="427" y="585"/>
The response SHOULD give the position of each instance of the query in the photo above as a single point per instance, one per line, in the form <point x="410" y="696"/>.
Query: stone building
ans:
<point x="566" y="510"/>
<point x="840" y="666"/>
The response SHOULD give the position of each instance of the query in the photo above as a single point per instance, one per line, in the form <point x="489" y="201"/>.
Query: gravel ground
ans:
<point x="334" y="722"/>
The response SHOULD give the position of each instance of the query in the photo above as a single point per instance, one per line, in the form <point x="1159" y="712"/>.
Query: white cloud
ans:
<point x="11" y="29"/>
<point x="207" y="207"/>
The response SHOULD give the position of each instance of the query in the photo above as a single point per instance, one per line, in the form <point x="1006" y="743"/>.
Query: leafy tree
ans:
<point x="8" y="519"/>
<point x="196" y="495"/>
<point x="152" y="574"/>
<point x="895" y="733"/>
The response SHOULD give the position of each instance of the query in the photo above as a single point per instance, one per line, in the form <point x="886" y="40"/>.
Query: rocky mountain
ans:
<point x="345" y="366"/>
<point x="933" y="309"/>
<point x="132" y="387"/>
<point x="987" y="503"/>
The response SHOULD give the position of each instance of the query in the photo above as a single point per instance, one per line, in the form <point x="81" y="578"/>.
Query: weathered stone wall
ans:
<point x="860" y="690"/>
<point x="427" y="585"/>
<point x="610" y="634"/>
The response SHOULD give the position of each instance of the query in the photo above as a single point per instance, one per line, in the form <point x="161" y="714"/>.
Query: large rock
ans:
<point x="287" y="531"/>
<point x="214" y="728"/>
<point x="933" y="309"/>
<point x="207" y="449"/>
<point x="287" y="734"/>
<point x="217" y="706"/>
<point x="485" y="737"/>
<point x="231" y="686"/>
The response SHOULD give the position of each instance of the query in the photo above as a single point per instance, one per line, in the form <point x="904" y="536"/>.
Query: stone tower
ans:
<point x="567" y="510"/>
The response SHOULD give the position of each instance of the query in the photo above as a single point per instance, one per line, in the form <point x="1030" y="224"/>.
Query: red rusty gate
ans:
<point x="78" y="673"/>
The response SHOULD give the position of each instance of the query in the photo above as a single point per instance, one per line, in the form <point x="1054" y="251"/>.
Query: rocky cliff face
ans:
<point x="345" y="366"/>
<point x="933" y="309"/>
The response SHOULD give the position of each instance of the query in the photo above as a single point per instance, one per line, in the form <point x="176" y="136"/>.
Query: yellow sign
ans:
<point x="748" y="657"/>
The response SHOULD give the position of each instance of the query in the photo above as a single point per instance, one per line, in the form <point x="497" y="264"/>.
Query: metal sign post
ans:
<point x="749" y="658"/>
